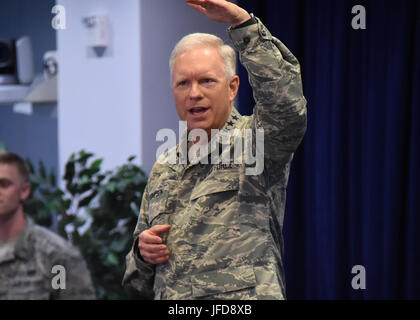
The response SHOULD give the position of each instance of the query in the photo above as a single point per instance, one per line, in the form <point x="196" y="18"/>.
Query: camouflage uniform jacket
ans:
<point x="226" y="237"/>
<point x="26" y="272"/>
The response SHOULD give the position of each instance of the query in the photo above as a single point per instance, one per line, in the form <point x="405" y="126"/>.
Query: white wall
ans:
<point x="99" y="98"/>
<point x="114" y="106"/>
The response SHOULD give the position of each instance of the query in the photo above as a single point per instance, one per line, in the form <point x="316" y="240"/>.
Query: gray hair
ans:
<point x="205" y="39"/>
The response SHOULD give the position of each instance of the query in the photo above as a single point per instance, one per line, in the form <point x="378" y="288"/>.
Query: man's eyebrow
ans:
<point x="200" y="73"/>
<point x="209" y="73"/>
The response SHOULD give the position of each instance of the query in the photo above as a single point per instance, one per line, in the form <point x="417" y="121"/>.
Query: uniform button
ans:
<point x="247" y="40"/>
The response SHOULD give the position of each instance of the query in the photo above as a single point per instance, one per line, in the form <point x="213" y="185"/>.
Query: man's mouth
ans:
<point x="198" y="111"/>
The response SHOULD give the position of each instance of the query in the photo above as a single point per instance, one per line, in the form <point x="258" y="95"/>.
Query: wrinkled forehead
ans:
<point x="197" y="60"/>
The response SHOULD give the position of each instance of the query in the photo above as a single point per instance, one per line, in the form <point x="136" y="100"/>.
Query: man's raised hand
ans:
<point x="220" y="11"/>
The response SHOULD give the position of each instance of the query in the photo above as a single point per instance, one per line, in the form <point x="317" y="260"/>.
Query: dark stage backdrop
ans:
<point x="353" y="195"/>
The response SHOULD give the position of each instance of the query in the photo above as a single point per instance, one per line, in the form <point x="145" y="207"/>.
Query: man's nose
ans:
<point x="195" y="92"/>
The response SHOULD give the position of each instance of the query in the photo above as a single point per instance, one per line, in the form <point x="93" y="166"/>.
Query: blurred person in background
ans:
<point x="35" y="263"/>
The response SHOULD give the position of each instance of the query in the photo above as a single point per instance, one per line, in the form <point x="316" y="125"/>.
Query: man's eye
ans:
<point x="4" y="183"/>
<point x="206" y="81"/>
<point x="181" y="83"/>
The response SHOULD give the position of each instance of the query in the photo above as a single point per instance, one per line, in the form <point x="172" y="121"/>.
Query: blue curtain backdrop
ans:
<point x="353" y="196"/>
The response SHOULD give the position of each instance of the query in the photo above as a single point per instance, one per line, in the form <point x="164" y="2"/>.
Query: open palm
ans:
<point x="220" y="11"/>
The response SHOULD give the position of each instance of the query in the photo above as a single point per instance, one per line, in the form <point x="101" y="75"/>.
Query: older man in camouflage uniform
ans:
<point x="212" y="231"/>
<point x="34" y="262"/>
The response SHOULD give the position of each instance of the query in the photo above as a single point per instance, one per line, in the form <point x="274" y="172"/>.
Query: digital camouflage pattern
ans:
<point x="226" y="237"/>
<point x="26" y="271"/>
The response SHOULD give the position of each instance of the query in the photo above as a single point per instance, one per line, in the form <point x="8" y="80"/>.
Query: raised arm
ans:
<point x="274" y="75"/>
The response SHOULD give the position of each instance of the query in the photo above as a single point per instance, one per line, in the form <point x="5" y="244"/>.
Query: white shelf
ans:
<point x="12" y="93"/>
<point x="40" y="91"/>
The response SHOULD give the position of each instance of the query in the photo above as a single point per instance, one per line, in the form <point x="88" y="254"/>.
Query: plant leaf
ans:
<point x="111" y="259"/>
<point x="70" y="171"/>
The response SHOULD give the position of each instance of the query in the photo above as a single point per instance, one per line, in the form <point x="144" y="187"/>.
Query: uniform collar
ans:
<point x="230" y="124"/>
<point x="22" y="249"/>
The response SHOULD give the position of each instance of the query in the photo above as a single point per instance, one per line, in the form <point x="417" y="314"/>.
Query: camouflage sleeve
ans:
<point x="274" y="74"/>
<point x="139" y="274"/>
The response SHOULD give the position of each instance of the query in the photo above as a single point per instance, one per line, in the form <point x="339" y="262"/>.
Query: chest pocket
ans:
<point x="217" y="189"/>
<point x="214" y="209"/>
<point x="219" y="180"/>
<point x="216" y="185"/>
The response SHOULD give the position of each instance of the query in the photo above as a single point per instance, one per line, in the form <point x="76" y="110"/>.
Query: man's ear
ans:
<point x="233" y="87"/>
<point x="26" y="191"/>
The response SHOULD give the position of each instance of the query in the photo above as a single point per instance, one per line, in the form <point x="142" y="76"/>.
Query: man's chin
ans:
<point x="202" y="125"/>
<point x="7" y="214"/>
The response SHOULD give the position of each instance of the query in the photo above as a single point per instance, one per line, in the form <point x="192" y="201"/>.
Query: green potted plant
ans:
<point x="97" y="211"/>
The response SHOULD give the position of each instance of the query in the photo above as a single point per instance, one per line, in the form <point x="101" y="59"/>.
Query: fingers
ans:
<point x="196" y="2"/>
<point x="203" y="2"/>
<point x="153" y="235"/>
<point x="154" y="253"/>
<point x="149" y="237"/>
<point x="197" y="7"/>
<point x="160" y="249"/>
<point x="202" y="5"/>
<point x="219" y="10"/>
<point x="150" y="245"/>
<point x="159" y="229"/>
<point x="156" y="260"/>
